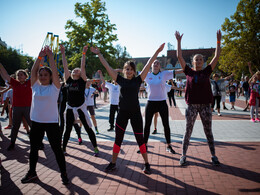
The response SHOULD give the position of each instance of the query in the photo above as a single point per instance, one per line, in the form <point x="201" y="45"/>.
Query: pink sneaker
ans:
<point x="257" y="119"/>
<point x="253" y="120"/>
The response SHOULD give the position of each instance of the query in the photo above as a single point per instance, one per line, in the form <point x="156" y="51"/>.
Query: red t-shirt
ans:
<point x="22" y="93"/>
<point x="198" y="87"/>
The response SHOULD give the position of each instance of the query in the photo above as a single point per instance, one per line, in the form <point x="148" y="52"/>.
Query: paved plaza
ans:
<point x="237" y="147"/>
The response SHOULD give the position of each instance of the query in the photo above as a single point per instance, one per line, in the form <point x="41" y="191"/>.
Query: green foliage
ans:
<point x="139" y="66"/>
<point x="12" y="60"/>
<point x="94" y="29"/>
<point x="241" y="39"/>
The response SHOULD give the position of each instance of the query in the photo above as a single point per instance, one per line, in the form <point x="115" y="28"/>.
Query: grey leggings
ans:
<point x="18" y="114"/>
<point x="205" y="113"/>
<point x="254" y="108"/>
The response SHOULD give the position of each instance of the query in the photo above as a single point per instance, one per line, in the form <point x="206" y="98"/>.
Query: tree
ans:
<point x="241" y="39"/>
<point x="139" y="66"/>
<point x="12" y="61"/>
<point x="95" y="30"/>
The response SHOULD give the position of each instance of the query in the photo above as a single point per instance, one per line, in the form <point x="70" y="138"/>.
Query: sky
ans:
<point x="142" y="25"/>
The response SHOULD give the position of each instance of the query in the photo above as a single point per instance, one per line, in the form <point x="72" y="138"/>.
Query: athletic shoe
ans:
<point x="169" y="149"/>
<point x="147" y="168"/>
<point x="253" y="120"/>
<point x="155" y="131"/>
<point x="111" y="129"/>
<point x="96" y="152"/>
<point x="111" y="167"/>
<point x="80" y="141"/>
<point x="257" y="119"/>
<point x="219" y="114"/>
<point x="8" y="127"/>
<point x="183" y="161"/>
<point x="215" y="161"/>
<point x="29" y="177"/>
<point x="64" y="178"/>
<point x="10" y="147"/>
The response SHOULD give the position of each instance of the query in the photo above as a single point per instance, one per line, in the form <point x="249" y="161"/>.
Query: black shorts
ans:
<point x="91" y="110"/>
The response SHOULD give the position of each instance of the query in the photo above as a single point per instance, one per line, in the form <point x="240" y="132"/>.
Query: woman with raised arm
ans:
<point x="22" y="97"/>
<point x="76" y="82"/>
<point x="129" y="107"/>
<point x="198" y="96"/>
<point x="157" y="95"/>
<point x="44" y="114"/>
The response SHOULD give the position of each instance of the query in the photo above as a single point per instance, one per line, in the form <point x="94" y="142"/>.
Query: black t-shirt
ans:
<point x="75" y="92"/>
<point x="128" y="99"/>
<point x="232" y="90"/>
<point x="246" y="86"/>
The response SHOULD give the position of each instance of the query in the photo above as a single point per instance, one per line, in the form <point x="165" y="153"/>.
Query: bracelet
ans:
<point x="218" y="42"/>
<point x="40" y="58"/>
<point x="83" y="53"/>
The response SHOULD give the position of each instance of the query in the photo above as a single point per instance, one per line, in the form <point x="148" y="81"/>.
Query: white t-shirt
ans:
<point x="114" y="92"/>
<point x="9" y="94"/>
<point x="44" y="108"/>
<point x="156" y="85"/>
<point x="89" y="98"/>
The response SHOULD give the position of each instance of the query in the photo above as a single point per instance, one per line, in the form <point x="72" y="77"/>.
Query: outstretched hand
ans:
<point x="99" y="72"/>
<point x="85" y="49"/>
<point x="95" y="50"/>
<point x="219" y="35"/>
<point x="62" y="49"/>
<point x="48" y="51"/>
<point x="42" y="52"/>
<point x="161" y="47"/>
<point x="178" y="36"/>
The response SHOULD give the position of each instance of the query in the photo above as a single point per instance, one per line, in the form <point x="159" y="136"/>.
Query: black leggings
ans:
<point x="216" y="99"/>
<point x="151" y="108"/>
<point x="36" y="137"/>
<point x="137" y="125"/>
<point x="113" y="110"/>
<point x="62" y="108"/>
<point x="171" y="98"/>
<point x="69" y="123"/>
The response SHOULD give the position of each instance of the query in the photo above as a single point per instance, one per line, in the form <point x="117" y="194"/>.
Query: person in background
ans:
<point x="114" y="92"/>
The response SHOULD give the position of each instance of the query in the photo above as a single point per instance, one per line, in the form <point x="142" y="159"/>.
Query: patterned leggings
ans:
<point x="204" y="111"/>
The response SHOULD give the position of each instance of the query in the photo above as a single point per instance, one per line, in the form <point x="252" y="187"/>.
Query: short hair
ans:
<point x="196" y="56"/>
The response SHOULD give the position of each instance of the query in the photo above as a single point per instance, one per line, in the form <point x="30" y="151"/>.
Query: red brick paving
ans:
<point x="238" y="174"/>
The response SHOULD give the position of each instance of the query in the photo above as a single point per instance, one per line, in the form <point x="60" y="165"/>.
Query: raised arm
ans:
<point x="35" y="68"/>
<point x="101" y="76"/>
<point x="148" y="65"/>
<point x="64" y="62"/>
<point x="55" y="74"/>
<point x="83" y="63"/>
<point x="179" y="52"/>
<point x="109" y="69"/>
<point x="4" y="73"/>
<point x="214" y="61"/>
<point x="228" y="77"/>
<point x="250" y="68"/>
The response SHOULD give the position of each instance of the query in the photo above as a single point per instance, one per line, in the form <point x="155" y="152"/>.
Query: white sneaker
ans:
<point x="219" y="114"/>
